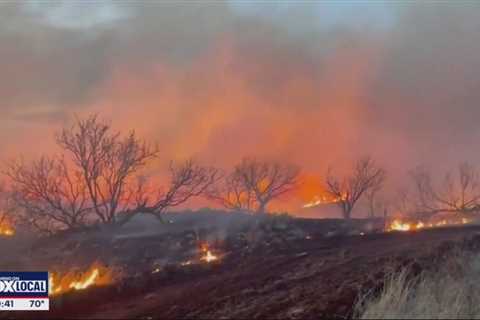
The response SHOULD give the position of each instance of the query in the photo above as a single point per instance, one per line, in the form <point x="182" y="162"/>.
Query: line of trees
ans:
<point x="99" y="177"/>
<point x="96" y="178"/>
<point x="457" y="191"/>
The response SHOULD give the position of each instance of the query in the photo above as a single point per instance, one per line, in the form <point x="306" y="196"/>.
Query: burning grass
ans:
<point x="207" y="254"/>
<point x="96" y="275"/>
<point x="6" y="228"/>
<point x="452" y="291"/>
<point x="402" y="225"/>
<point x="323" y="199"/>
<point x="6" y="231"/>
<point x="291" y="278"/>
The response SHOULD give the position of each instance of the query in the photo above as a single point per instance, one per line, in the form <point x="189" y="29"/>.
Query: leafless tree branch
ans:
<point x="253" y="184"/>
<point x="187" y="180"/>
<point x="49" y="192"/>
<point x="457" y="192"/>
<point x="365" y="176"/>
<point x="107" y="161"/>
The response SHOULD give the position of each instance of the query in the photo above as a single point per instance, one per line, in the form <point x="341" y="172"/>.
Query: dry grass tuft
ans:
<point x="450" y="292"/>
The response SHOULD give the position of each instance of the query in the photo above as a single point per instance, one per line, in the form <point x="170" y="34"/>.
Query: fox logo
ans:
<point x="30" y="286"/>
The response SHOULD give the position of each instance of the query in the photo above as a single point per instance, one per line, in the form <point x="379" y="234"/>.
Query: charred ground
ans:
<point x="276" y="267"/>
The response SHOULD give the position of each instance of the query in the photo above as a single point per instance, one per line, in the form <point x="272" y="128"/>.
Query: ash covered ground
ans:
<point x="264" y="266"/>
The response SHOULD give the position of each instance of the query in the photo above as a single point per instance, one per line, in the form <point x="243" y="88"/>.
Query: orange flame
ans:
<point x="96" y="275"/>
<point x="398" y="225"/>
<point x="323" y="199"/>
<point x="207" y="255"/>
<point x="6" y="229"/>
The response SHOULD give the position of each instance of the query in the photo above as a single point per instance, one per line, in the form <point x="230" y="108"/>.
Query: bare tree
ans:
<point x="457" y="192"/>
<point x="267" y="180"/>
<point x="253" y="184"/>
<point x="423" y="198"/>
<point x="187" y="180"/>
<point x="232" y="194"/>
<point x="374" y="203"/>
<point x="461" y="191"/>
<point x="99" y="176"/>
<point x="108" y="163"/>
<point x="403" y="202"/>
<point x="366" y="176"/>
<point x="50" y="194"/>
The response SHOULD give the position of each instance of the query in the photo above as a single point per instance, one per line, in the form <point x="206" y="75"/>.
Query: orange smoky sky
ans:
<point x="217" y="83"/>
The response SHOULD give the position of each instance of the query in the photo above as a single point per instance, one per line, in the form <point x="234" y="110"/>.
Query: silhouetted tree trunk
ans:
<point x="348" y="190"/>
<point x="254" y="184"/>
<point x="457" y="192"/>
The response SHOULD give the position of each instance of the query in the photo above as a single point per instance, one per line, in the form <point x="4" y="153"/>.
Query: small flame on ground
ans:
<point x="323" y="199"/>
<point x="398" y="225"/>
<point x="6" y="229"/>
<point x="96" y="275"/>
<point x="90" y="280"/>
<point x="207" y="255"/>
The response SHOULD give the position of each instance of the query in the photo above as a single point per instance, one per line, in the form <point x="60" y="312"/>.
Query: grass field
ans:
<point x="451" y="291"/>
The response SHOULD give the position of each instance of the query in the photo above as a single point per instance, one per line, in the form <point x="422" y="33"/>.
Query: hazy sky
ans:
<point x="313" y="83"/>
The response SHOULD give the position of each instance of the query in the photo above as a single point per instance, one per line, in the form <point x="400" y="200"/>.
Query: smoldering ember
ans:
<point x="239" y="159"/>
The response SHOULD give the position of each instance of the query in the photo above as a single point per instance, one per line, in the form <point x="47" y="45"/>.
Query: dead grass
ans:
<point x="452" y="291"/>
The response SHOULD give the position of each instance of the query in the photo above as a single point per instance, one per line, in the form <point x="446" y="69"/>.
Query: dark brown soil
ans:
<point x="304" y="279"/>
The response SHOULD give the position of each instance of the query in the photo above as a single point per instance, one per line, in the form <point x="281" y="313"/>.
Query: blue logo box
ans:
<point x="23" y="285"/>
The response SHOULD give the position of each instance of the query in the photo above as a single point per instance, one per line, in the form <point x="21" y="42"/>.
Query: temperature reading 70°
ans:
<point x="37" y="303"/>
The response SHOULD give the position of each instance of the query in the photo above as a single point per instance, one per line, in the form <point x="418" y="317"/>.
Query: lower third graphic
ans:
<point x="24" y="291"/>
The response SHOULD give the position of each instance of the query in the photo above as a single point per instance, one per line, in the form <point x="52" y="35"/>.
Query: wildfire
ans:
<point x="323" y="199"/>
<point x="398" y="225"/>
<point x="96" y="275"/>
<point x="207" y="255"/>
<point x="6" y="229"/>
